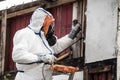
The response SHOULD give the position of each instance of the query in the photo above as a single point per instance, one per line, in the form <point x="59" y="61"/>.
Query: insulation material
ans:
<point x="61" y="77"/>
<point x="78" y="75"/>
<point x="101" y="30"/>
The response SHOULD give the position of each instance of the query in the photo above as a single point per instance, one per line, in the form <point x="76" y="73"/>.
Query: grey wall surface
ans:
<point x="101" y="30"/>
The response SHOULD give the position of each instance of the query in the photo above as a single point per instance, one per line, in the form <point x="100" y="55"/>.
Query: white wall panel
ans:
<point x="78" y="75"/>
<point x="101" y="30"/>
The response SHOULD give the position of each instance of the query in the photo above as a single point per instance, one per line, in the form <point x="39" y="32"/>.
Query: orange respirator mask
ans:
<point x="49" y="21"/>
<point x="48" y="30"/>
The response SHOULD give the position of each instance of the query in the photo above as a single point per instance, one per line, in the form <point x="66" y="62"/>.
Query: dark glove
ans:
<point x="76" y="27"/>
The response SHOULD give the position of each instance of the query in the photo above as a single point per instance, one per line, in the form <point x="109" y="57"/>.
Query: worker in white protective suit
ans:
<point x="35" y="45"/>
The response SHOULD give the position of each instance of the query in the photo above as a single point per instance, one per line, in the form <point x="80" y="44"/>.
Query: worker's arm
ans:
<point x="62" y="44"/>
<point x="20" y="53"/>
<point x="67" y="40"/>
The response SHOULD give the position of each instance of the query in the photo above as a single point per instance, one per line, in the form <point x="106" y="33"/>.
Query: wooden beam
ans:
<point x="30" y="7"/>
<point x="100" y="69"/>
<point x="25" y="11"/>
<point x="81" y="16"/>
<point x="3" y="37"/>
<point x="21" y="12"/>
<point x="59" y="2"/>
<point x="23" y="7"/>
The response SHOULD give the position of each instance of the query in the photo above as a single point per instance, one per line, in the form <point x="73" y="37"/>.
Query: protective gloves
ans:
<point x="76" y="27"/>
<point x="47" y="58"/>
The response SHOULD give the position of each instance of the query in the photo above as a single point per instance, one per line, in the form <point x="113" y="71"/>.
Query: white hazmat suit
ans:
<point x="30" y="43"/>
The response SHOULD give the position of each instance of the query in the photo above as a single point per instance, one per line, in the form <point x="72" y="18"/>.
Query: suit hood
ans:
<point x="37" y="19"/>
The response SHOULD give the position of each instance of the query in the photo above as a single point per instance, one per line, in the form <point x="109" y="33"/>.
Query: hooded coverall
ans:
<point x="30" y="42"/>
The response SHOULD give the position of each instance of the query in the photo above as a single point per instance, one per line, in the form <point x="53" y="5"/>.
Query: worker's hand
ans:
<point x="76" y="27"/>
<point x="48" y="58"/>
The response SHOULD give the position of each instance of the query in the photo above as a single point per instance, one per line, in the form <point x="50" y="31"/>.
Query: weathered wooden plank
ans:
<point x="59" y="2"/>
<point x="100" y="69"/>
<point x="3" y="37"/>
<point x="30" y="7"/>
<point x="86" y="73"/>
<point x="118" y="43"/>
<point x="21" y="12"/>
<point x="83" y="19"/>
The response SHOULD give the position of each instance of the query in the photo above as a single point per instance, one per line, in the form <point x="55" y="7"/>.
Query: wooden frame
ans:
<point x="30" y="7"/>
<point x="3" y="38"/>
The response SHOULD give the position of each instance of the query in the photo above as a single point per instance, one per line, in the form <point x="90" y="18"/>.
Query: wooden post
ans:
<point x="86" y="76"/>
<point x="3" y="39"/>
<point x="81" y="17"/>
<point x="118" y="43"/>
